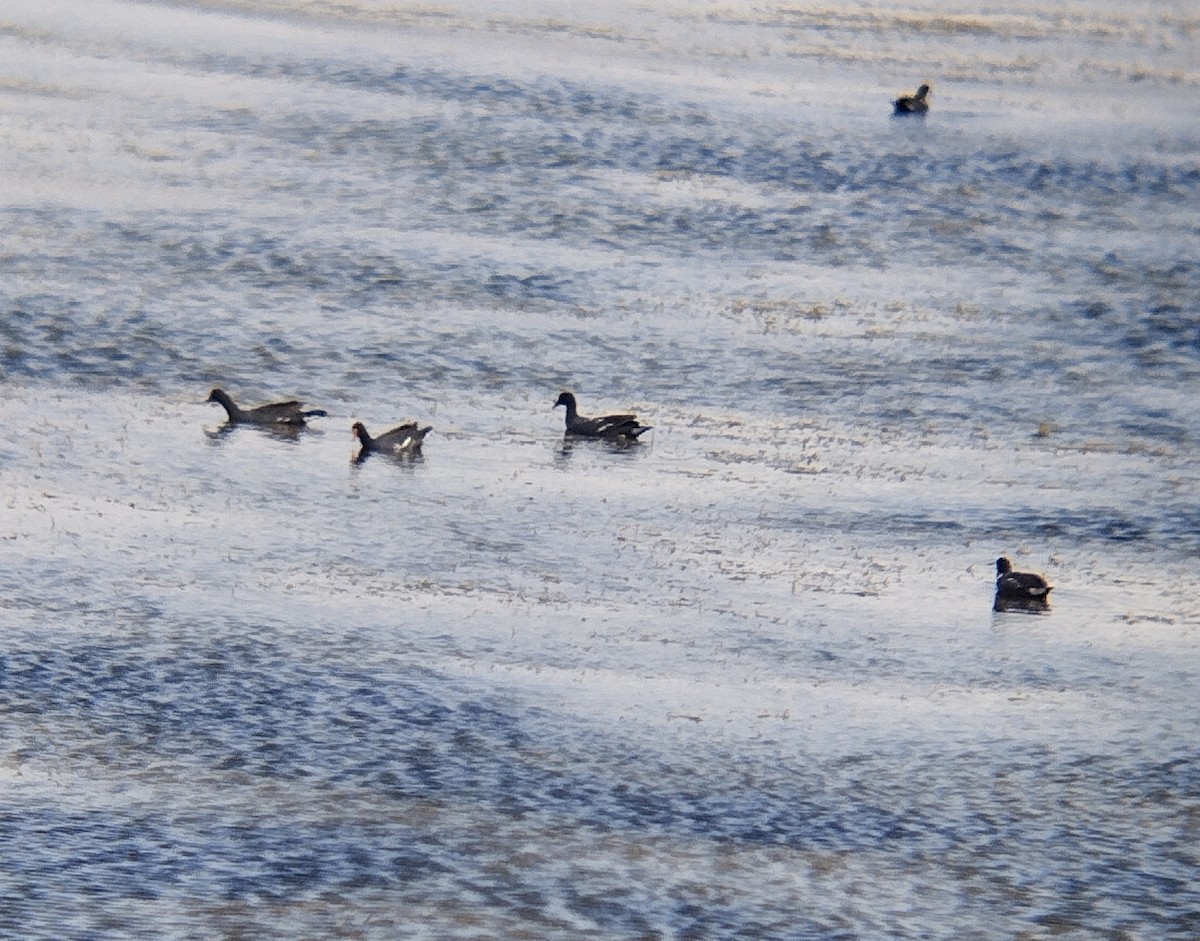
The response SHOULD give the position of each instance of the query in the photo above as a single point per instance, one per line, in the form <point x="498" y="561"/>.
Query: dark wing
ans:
<point x="908" y="105"/>
<point x="607" y="426"/>
<point x="406" y="437"/>
<point x="282" y="413"/>
<point x="396" y="437"/>
<point x="1024" y="584"/>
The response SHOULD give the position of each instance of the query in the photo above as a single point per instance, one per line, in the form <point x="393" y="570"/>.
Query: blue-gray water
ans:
<point x="742" y="681"/>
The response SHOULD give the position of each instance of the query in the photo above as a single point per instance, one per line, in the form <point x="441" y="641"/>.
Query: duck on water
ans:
<point x="625" y="428"/>
<point x="912" y="104"/>
<point x="1020" y="590"/>
<point x="402" y="441"/>
<point x="290" y="414"/>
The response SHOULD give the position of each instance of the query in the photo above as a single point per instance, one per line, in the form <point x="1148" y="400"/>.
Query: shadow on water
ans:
<point x="405" y="460"/>
<point x="1003" y="604"/>
<point x="625" y="448"/>
<point x="289" y="434"/>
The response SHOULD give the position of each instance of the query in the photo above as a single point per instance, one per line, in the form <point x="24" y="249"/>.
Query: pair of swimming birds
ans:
<point x="408" y="438"/>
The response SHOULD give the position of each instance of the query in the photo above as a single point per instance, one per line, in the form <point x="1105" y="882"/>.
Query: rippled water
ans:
<point x="743" y="680"/>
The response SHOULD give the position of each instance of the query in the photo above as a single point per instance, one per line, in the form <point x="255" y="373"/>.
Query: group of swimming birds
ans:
<point x="406" y="439"/>
<point x="1014" y="590"/>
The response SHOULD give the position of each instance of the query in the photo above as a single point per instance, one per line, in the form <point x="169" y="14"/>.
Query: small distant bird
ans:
<point x="403" y="440"/>
<point x="912" y="104"/>
<point x="613" y="427"/>
<point x="1019" y="586"/>
<point x="279" y="413"/>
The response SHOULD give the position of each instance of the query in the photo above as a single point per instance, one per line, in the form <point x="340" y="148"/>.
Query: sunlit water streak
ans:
<point x="741" y="681"/>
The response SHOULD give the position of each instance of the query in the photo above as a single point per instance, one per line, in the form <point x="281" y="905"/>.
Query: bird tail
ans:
<point x="315" y="413"/>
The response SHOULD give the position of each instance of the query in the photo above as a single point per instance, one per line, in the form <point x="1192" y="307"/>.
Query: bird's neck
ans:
<point x="227" y="403"/>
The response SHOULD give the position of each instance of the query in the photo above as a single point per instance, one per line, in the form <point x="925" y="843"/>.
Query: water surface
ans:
<point x="741" y="681"/>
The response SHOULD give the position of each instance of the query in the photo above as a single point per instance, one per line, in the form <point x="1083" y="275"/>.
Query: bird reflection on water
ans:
<point x="1006" y="604"/>
<point x="627" y="449"/>
<point x="290" y="434"/>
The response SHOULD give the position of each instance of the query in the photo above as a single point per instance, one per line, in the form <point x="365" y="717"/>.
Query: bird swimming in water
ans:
<point x="912" y="104"/>
<point x="277" y="413"/>
<point x="613" y="427"/>
<point x="402" y="441"/>
<point x="1019" y="589"/>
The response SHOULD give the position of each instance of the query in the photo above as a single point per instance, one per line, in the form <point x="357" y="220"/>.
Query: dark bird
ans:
<point x="279" y="413"/>
<point x="1019" y="589"/>
<point x="912" y="104"/>
<point x="403" y="440"/>
<point x="613" y="427"/>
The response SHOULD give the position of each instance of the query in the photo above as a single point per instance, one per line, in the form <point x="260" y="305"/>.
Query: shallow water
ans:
<point x="743" y="680"/>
